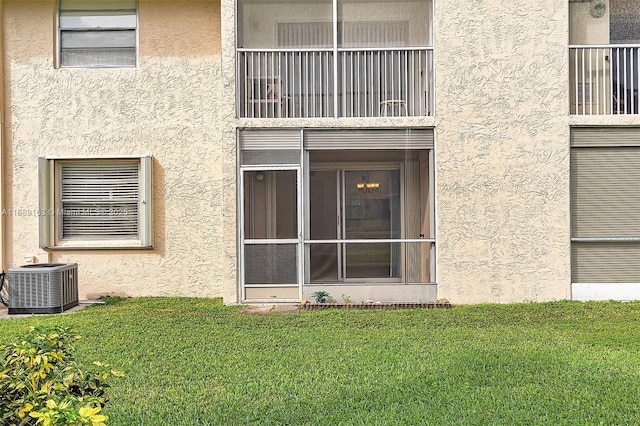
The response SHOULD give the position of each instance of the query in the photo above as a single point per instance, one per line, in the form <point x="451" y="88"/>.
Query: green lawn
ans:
<point x="196" y="362"/>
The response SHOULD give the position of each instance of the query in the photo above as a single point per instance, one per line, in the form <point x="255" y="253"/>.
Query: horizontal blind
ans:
<point x="269" y="139"/>
<point x="605" y="137"/>
<point x="605" y="192"/>
<point x="305" y="34"/>
<point x="369" y="139"/>
<point x="99" y="200"/>
<point x="98" y="39"/>
<point x="601" y="262"/>
<point x="374" y="33"/>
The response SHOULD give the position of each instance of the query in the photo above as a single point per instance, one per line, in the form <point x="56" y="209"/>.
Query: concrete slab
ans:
<point x="4" y="312"/>
<point x="271" y="309"/>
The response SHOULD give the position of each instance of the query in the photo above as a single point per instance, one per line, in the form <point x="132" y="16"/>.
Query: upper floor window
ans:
<point x="625" y="21"/>
<point x="604" y="22"/>
<point x="97" y="33"/>
<point x="310" y="24"/>
<point x="334" y="58"/>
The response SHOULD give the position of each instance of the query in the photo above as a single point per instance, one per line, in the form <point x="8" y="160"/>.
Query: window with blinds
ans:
<point x="350" y="34"/>
<point x="99" y="200"/>
<point x="97" y="33"/>
<point x="96" y="203"/>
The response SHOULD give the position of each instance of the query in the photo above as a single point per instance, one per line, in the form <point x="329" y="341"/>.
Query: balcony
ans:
<point x="604" y="79"/>
<point x="604" y="60"/>
<point x="361" y="83"/>
<point x="334" y="58"/>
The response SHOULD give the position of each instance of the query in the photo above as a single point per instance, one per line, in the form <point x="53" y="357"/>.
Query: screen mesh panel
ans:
<point x="271" y="264"/>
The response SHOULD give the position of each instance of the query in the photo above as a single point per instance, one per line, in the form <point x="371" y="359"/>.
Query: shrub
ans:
<point x="42" y="384"/>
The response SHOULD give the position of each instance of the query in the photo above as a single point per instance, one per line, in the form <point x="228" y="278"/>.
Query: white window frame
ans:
<point x="117" y="7"/>
<point x="51" y="215"/>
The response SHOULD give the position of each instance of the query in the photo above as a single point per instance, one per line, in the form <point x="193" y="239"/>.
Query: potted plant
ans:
<point x="320" y="296"/>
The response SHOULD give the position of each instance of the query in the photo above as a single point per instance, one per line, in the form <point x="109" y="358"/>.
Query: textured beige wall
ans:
<point x="179" y="27"/>
<point x="167" y="107"/>
<point x="502" y="156"/>
<point x="228" y="125"/>
<point x="502" y="147"/>
<point x="502" y="150"/>
<point x="2" y="133"/>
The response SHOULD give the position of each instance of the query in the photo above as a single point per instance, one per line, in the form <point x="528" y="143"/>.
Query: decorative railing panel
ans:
<point x="604" y="79"/>
<point x="363" y="83"/>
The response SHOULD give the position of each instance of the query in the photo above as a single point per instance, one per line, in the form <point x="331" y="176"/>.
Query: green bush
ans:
<point x="42" y="384"/>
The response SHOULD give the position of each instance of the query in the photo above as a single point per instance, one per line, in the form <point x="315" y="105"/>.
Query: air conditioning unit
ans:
<point x="46" y="288"/>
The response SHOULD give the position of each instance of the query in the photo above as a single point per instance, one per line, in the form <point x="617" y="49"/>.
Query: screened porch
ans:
<point x="302" y="58"/>
<point x="349" y="211"/>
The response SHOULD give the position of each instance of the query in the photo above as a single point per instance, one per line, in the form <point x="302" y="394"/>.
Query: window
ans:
<point x="624" y="21"/>
<point x="97" y="33"/>
<point x="617" y="23"/>
<point x="95" y="203"/>
<point x="310" y="24"/>
<point x="379" y="195"/>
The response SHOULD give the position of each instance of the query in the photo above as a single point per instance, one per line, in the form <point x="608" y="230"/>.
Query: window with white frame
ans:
<point x="96" y="203"/>
<point x="97" y="33"/>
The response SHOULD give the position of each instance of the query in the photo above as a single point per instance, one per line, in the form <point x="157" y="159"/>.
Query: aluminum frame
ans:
<point x="426" y="84"/>
<point x="303" y="224"/>
<point x="58" y="45"/>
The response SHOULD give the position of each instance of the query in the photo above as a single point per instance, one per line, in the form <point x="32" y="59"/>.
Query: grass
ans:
<point x="196" y="362"/>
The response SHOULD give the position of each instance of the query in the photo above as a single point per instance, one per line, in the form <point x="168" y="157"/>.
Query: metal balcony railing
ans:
<point x="604" y="79"/>
<point x="287" y="83"/>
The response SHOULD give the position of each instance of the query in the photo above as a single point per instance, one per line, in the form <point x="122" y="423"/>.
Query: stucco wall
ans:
<point x="502" y="150"/>
<point x="502" y="147"/>
<point x="167" y="107"/>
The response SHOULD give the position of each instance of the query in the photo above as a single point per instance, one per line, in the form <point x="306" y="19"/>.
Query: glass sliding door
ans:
<point x="371" y="210"/>
<point x="325" y="259"/>
<point x="358" y="205"/>
<point x="368" y="218"/>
